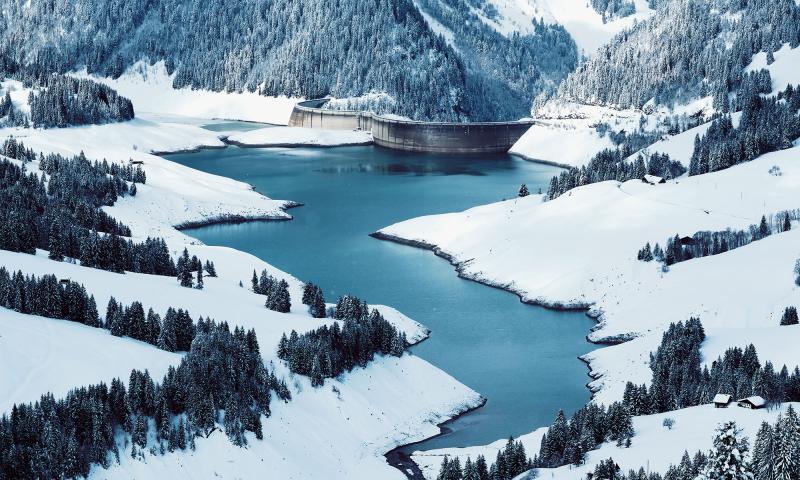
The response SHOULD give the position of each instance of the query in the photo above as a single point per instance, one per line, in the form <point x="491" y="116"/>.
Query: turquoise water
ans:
<point x="521" y="357"/>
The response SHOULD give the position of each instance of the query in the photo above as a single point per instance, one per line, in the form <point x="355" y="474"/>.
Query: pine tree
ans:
<point x="210" y="269"/>
<point x="789" y="316"/>
<point x="56" y="242"/>
<point x="523" y="191"/>
<point x="199" y="285"/>
<point x="728" y="459"/>
<point x="185" y="270"/>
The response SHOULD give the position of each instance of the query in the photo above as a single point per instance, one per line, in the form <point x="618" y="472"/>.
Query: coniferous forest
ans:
<point x="328" y="352"/>
<point x="295" y="48"/>
<point x="59" y="210"/>
<point x="223" y="371"/>
<point x="61" y="101"/>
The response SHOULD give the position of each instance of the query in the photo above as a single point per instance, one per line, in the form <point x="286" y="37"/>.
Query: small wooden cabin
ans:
<point x="136" y="162"/>
<point x="752" y="403"/>
<point x="686" y="241"/>
<point x="653" y="180"/>
<point x="722" y="400"/>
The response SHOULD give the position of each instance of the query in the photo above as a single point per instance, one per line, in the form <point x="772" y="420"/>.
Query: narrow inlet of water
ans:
<point x="522" y="358"/>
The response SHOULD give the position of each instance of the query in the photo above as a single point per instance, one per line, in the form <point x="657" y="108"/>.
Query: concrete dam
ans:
<point x="440" y="137"/>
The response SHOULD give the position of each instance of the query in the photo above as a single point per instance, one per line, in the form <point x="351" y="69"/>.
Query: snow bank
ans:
<point x="784" y="71"/>
<point x="149" y="87"/>
<point x="562" y="145"/>
<point x="572" y="250"/>
<point x="299" y="137"/>
<point x="40" y="355"/>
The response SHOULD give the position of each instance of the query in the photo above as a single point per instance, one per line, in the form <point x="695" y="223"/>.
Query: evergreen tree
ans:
<point x="728" y="459"/>
<point x="789" y="316"/>
<point x="523" y="191"/>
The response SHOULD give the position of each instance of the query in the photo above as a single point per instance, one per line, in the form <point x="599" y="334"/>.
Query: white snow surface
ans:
<point x="40" y="354"/>
<point x="299" y="136"/>
<point x="174" y="194"/>
<point x="784" y="71"/>
<point x="150" y="89"/>
<point x="566" y="144"/>
<point x="321" y="433"/>
<point x="578" y="17"/>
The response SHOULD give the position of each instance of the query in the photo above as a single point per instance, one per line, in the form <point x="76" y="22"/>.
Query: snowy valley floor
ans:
<point x="340" y="430"/>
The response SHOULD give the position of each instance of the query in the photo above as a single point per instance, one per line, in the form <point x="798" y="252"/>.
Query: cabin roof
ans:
<point x="722" y="398"/>
<point x="653" y="179"/>
<point x="755" y="401"/>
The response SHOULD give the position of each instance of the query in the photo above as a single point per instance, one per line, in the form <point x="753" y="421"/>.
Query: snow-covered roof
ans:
<point x="755" y="401"/>
<point x="722" y="398"/>
<point x="653" y="179"/>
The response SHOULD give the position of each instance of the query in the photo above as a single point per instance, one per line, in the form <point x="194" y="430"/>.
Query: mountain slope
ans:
<point x="295" y="48"/>
<point x="651" y="63"/>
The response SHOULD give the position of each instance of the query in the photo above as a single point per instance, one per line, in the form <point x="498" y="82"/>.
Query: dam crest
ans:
<point x="410" y="135"/>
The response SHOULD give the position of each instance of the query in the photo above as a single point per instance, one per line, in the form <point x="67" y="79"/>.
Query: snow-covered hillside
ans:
<point x="655" y="447"/>
<point x="583" y="23"/>
<point x="151" y="89"/>
<point x="340" y="430"/>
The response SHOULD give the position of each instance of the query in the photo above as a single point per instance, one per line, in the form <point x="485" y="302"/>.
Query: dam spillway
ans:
<point x="410" y="135"/>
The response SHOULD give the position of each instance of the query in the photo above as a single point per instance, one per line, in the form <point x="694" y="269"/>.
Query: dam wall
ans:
<point x="441" y="137"/>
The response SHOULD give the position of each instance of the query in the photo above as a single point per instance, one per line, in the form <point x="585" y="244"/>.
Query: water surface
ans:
<point x="521" y="357"/>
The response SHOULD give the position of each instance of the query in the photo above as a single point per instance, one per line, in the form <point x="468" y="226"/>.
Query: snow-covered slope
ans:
<point x="340" y="430"/>
<point x="567" y="144"/>
<point x="582" y="22"/>
<point x="41" y="354"/>
<point x="571" y="250"/>
<point x="784" y="71"/>
<point x="654" y="447"/>
<point x="150" y="89"/>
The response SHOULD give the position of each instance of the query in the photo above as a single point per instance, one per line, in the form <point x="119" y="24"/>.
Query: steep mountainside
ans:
<point x="310" y="48"/>
<point x="716" y="41"/>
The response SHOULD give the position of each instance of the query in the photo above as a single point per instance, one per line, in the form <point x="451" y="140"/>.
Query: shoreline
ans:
<point x="403" y="461"/>
<point x="228" y="142"/>
<point x="459" y="267"/>
<point x="539" y="160"/>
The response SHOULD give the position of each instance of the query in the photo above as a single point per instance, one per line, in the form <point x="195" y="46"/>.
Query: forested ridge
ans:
<point x="308" y="48"/>
<point x="688" y="49"/>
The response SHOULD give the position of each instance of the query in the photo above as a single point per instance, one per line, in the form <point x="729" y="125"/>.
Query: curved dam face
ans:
<point x="410" y="135"/>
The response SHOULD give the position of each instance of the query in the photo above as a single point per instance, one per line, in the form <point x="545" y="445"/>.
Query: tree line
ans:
<point x="706" y="243"/>
<point x="774" y="456"/>
<point x="329" y="351"/>
<point x="511" y="461"/>
<point x="65" y="299"/>
<point x="61" y="101"/>
<point x="59" y="210"/>
<point x="767" y="124"/>
<point x="679" y="379"/>
<point x="221" y="381"/>
<point x="276" y="291"/>
<point x="610" y="164"/>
